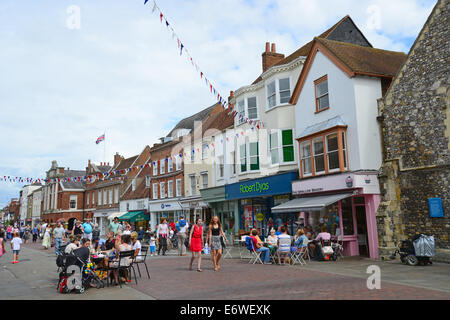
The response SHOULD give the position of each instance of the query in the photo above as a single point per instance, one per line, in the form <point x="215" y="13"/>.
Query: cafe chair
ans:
<point x="143" y="254"/>
<point x="255" y="256"/>
<point x="298" y="255"/>
<point x="118" y="265"/>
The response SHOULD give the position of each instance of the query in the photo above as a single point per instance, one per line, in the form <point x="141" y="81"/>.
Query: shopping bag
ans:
<point x="206" y="249"/>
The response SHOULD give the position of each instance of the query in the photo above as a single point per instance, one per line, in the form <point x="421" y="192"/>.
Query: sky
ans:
<point x="119" y="71"/>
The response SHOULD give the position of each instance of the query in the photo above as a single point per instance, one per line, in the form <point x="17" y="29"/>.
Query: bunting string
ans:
<point x="182" y="48"/>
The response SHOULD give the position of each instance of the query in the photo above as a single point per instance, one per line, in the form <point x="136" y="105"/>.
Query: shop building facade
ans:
<point x="339" y="141"/>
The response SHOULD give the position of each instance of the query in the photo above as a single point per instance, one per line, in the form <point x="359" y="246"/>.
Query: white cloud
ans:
<point x="121" y="72"/>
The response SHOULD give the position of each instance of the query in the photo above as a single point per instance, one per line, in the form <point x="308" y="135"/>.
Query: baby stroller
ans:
<point x="75" y="275"/>
<point x="416" y="252"/>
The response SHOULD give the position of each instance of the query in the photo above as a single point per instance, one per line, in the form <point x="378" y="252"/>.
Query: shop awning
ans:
<point x="309" y="203"/>
<point x="134" y="216"/>
<point x="116" y="214"/>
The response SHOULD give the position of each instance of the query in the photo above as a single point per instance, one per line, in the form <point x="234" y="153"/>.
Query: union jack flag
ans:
<point x="100" y="139"/>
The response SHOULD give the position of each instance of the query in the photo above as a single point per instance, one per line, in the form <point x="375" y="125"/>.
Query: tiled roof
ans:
<point x="304" y="50"/>
<point x="126" y="163"/>
<point x="365" y="59"/>
<point x="188" y="123"/>
<point x="321" y="126"/>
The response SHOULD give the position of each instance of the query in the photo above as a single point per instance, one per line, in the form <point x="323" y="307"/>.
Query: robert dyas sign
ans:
<point x="266" y="186"/>
<point x="256" y="187"/>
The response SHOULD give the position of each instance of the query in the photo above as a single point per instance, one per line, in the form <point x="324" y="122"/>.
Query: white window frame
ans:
<point x="162" y="166"/>
<point x="314" y="155"/>
<point x="169" y="165"/>
<point x="155" y="191"/>
<point x="148" y="180"/>
<point x="133" y="184"/>
<point x="220" y="167"/>
<point x="99" y="197"/>
<point x="203" y="175"/>
<point x="241" y="111"/>
<point x="116" y="195"/>
<point x="204" y="150"/>
<point x="73" y="198"/>
<point x="257" y="111"/>
<point x="104" y="197"/>
<point x="155" y="168"/>
<point x="140" y="204"/>
<point x="178" y="187"/>
<point x="88" y="198"/>
<point x="178" y="163"/>
<point x="310" y="158"/>
<point x="277" y="93"/>
<point x="277" y="148"/>
<point x="233" y="163"/>
<point x="241" y="157"/>
<point x="162" y="190"/>
<point x="110" y="196"/>
<point x="193" y="187"/>
<point x="170" y="188"/>
<point x="254" y="156"/>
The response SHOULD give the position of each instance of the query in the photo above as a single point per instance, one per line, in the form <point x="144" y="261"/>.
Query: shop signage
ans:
<point x="367" y="182"/>
<point x="260" y="217"/>
<point x="435" y="205"/>
<point x="267" y="186"/>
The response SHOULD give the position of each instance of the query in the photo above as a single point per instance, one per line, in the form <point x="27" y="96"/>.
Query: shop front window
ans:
<point x="347" y="217"/>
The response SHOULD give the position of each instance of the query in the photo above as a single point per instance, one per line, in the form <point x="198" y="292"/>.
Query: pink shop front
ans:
<point x="346" y="204"/>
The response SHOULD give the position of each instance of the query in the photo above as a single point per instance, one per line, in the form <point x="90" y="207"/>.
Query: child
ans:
<point x="152" y="244"/>
<point x="15" y="246"/>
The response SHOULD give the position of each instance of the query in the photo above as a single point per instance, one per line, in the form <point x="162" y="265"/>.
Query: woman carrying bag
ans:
<point x="217" y="240"/>
<point x="196" y="241"/>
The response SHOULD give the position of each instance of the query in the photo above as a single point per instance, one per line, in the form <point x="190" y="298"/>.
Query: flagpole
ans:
<point x="104" y="146"/>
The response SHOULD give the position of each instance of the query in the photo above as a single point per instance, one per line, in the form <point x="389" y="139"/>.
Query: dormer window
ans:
<point x="321" y="90"/>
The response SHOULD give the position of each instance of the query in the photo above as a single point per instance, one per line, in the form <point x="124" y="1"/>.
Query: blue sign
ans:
<point x="435" y="205"/>
<point x="267" y="186"/>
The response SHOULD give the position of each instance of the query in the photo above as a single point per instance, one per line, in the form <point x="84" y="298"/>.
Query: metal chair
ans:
<point x="118" y="265"/>
<point x="255" y="256"/>
<point x="143" y="254"/>
<point x="298" y="256"/>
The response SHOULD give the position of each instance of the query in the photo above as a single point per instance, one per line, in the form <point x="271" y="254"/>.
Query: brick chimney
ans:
<point x="270" y="56"/>
<point x="117" y="159"/>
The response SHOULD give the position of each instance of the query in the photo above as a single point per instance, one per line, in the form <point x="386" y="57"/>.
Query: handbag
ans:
<point x="327" y="250"/>
<point x="186" y="242"/>
<point x="222" y="242"/>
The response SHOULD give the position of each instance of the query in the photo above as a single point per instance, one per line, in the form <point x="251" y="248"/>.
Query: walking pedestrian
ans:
<point x="196" y="243"/>
<point x="182" y="226"/>
<point x="47" y="237"/>
<point x="87" y="229"/>
<point x="152" y="244"/>
<point x="8" y="232"/>
<point x="35" y="233"/>
<point x="114" y="226"/>
<point x="2" y="243"/>
<point x="15" y="246"/>
<point x="216" y="238"/>
<point x="59" y="235"/>
<point x="163" y="233"/>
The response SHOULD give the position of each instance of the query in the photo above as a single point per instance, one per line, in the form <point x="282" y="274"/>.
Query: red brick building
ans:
<point x="63" y="195"/>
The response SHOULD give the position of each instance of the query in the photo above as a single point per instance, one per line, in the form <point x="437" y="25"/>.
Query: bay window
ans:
<point x="278" y="92"/>
<point x="285" y="90"/>
<point x="241" y="111"/>
<point x="323" y="154"/>
<point x="252" y="108"/>
<point x="271" y="95"/>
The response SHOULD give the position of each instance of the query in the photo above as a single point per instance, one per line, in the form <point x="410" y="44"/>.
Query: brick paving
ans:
<point x="238" y="280"/>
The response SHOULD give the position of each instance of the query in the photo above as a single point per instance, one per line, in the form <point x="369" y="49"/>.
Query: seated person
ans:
<point x="83" y="252"/>
<point x="121" y="244"/>
<point x="73" y="245"/>
<point x="315" y="247"/>
<point x="136" y="246"/>
<point x="110" y="242"/>
<point x="272" y="239"/>
<point x="265" y="252"/>
<point x="302" y="241"/>
<point x="284" y="243"/>
<point x="278" y="232"/>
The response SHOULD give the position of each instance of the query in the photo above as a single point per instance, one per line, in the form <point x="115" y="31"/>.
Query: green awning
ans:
<point x="134" y="216"/>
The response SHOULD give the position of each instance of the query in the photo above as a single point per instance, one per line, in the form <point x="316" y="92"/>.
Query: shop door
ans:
<point x="361" y="226"/>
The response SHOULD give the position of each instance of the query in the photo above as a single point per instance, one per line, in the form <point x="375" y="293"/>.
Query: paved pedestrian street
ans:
<point x="35" y="277"/>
